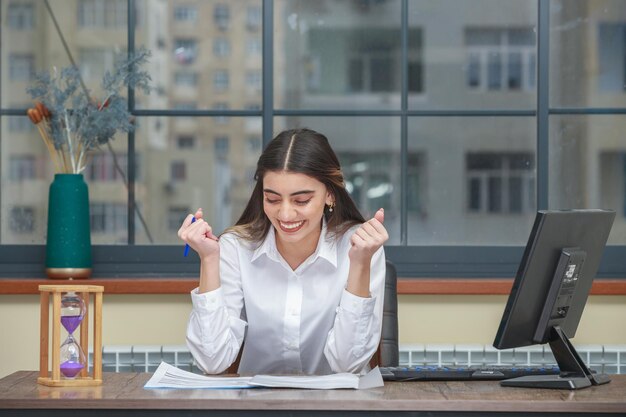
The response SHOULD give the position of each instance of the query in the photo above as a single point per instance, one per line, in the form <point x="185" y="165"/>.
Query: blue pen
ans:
<point x="193" y="219"/>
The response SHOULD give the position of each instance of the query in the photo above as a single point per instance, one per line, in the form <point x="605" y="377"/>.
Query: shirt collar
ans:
<point x="326" y="247"/>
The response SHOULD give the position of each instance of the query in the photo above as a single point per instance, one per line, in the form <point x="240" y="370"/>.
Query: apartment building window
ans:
<point x="93" y="62"/>
<point x="254" y="81"/>
<point x="189" y="79"/>
<point x="221" y="146"/>
<point x="612" y="57"/>
<point x="500" y="59"/>
<point x="221" y="106"/>
<point x="175" y="217"/>
<point x="21" y="67"/>
<point x="367" y="179"/>
<point x="22" y="219"/>
<point x="253" y="17"/>
<point x="500" y="182"/>
<point x="22" y="167"/>
<point x="185" y="51"/>
<point x="108" y="217"/>
<point x="20" y="124"/>
<point x="108" y="14"/>
<point x="221" y="16"/>
<point x="254" y="46"/>
<point x="185" y="142"/>
<point x="20" y="15"/>
<point x="221" y="47"/>
<point x="102" y="167"/>
<point x="220" y="81"/>
<point x="178" y="171"/>
<point x="186" y="14"/>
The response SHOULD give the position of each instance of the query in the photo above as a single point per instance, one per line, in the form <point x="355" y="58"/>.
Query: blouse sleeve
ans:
<point x="355" y="335"/>
<point x="215" y="330"/>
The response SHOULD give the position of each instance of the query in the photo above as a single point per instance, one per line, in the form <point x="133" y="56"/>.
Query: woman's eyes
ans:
<point x="298" y="202"/>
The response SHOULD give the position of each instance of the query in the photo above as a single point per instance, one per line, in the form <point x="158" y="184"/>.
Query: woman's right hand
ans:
<point x="199" y="236"/>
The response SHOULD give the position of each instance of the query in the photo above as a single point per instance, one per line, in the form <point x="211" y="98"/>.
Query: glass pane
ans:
<point x="94" y="30"/>
<point x="484" y="50"/>
<point x="588" y="166"/>
<point x="203" y="53"/>
<point x="478" y="178"/>
<point x="27" y="172"/>
<point x="369" y="152"/>
<point x="588" y="53"/>
<point x="334" y="54"/>
<point x="190" y="162"/>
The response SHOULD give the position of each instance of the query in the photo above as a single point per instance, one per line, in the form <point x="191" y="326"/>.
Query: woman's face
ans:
<point x="294" y="203"/>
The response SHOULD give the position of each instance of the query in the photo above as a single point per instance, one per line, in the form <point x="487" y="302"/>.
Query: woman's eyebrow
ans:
<point x="267" y="190"/>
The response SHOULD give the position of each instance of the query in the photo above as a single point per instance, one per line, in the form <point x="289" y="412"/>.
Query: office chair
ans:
<point x="388" y="353"/>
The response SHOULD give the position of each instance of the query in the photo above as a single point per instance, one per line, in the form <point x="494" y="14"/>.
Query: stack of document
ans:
<point x="168" y="376"/>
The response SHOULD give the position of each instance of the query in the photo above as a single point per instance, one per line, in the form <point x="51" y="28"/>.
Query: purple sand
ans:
<point x="70" y="368"/>
<point x="71" y="322"/>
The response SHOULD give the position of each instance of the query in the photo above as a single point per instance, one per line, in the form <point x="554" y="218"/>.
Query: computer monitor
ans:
<point x="550" y="291"/>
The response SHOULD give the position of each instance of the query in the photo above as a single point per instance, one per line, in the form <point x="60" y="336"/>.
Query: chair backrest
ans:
<point x="388" y="353"/>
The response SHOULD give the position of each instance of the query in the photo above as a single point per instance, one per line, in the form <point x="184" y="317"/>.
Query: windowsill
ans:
<point x="406" y="286"/>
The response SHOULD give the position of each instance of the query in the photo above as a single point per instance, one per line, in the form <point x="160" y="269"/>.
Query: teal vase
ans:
<point x="68" y="245"/>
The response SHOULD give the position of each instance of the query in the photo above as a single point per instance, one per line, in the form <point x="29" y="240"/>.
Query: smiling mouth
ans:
<point x="291" y="227"/>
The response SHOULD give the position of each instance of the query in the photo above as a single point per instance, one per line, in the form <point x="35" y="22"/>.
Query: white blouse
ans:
<point x="293" y="322"/>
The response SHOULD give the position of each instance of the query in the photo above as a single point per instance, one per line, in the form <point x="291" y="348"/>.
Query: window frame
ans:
<point x="133" y="260"/>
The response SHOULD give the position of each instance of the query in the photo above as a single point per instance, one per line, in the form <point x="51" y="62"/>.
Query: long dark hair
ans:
<point x="302" y="151"/>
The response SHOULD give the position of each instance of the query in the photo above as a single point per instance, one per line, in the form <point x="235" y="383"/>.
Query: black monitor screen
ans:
<point x="551" y="288"/>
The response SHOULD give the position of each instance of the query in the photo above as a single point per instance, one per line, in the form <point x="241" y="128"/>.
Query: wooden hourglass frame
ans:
<point x="53" y="378"/>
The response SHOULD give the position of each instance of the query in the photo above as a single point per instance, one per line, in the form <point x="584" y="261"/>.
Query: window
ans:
<point x="221" y="47"/>
<point x="20" y="16"/>
<point x="102" y="167"/>
<point x="22" y="167"/>
<point x="20" y="124"/>
<point x="185" y="142"/>
<point x="186" y="14"/>
<point x="21" y="67"/>
<point x="220" y="81"/>
<point x="178" y="171"/>
<point x="175" y="217"/>
<point x="111" y="218"/>
<point x="254" y="81"/>
<point x="253" y="17"/>
<point x="254" y="46"/>
<point x="185" y="51"/>
<point x="221" y="119"/>
<point x="221" y="16"/>
<point x="22" y="219"/>
<point x="93" y="62"/>
<point x="221" y="147"/>
<point x="500" y="182"/>
<point x="612" y="56"/>
<point x="500" y="59"/>
<point x="108" y="14"/>
<point x="189" y="79"/>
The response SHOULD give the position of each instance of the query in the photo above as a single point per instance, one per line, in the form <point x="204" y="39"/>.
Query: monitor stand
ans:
<point x="574" y="373"/>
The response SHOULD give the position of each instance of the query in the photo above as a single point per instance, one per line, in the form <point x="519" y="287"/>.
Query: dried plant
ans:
<point x="71" y="123"/>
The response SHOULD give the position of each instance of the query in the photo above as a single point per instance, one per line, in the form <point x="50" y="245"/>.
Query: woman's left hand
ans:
<point x="368" y="239"/>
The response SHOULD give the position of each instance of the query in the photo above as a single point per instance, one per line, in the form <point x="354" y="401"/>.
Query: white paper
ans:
<point x="168" y="376"/>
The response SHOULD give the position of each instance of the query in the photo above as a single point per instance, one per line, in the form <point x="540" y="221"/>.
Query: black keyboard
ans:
<point x="462" y="373"/>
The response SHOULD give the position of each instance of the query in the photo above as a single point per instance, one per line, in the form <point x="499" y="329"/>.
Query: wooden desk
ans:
<point x="122" y="394"/>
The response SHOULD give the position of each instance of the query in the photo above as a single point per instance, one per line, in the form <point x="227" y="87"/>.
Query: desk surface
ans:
<point x="122" y="393"/>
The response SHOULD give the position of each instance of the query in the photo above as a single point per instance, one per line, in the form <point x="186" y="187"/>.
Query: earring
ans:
<point x="331" y="207"/>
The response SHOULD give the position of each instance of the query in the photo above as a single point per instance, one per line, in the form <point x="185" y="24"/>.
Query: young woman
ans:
<point x="300" y="276"/>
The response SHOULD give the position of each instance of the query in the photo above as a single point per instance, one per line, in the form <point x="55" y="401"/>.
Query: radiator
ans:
<point x="609" y="359"/>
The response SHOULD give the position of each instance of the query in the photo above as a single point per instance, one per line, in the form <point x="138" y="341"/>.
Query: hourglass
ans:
<point x="70" y="311"/>
<point x="72" y="357"/>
